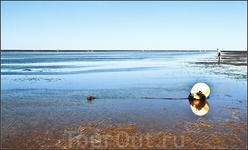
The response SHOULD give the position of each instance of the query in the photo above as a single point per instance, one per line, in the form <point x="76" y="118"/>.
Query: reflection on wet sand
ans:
<point x="199" y="107"/>
<point x="218" y="64"/>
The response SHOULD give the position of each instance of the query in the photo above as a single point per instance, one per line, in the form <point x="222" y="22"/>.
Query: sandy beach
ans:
<point x="47" y="106"/>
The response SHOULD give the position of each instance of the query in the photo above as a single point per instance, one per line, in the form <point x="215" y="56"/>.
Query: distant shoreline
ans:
<point x="120" y="50"/>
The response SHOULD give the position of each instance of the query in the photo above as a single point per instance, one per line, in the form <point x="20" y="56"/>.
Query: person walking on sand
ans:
<point x="219" y="54"/>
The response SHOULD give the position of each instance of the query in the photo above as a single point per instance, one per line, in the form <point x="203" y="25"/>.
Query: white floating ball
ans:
<point x="200" y="89"/>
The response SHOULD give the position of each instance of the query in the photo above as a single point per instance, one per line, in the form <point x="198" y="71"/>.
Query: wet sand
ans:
<point x="228" y="58"/>
<point x="235" y="58"/>
<point x="238" y="58"/>
<point x="122" y="118"/>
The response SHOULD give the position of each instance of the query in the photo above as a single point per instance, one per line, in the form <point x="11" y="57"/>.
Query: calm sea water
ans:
<point x="164" y="74"/>
<point x="52" y="63"/>
<point x="91" y="69"/>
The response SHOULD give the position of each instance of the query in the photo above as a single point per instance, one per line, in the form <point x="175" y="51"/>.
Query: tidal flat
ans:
<point x="44" y="100"/>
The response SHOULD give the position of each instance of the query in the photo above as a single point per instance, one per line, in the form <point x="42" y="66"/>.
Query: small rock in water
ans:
<point x="90" y="98"/>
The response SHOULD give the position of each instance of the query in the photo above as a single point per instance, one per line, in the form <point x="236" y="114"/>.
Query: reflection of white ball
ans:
<point x="199" y="88"/>
<point x="202" y="111"/>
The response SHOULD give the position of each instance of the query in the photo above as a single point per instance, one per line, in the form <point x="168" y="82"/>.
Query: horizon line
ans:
<point x="122" y="49"/>
<point x="22" y="50"/>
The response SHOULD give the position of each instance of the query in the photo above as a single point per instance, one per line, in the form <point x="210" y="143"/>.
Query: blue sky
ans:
<point x="99" y="25"/>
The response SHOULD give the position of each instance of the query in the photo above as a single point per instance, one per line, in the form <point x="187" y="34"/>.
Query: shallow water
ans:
<point x="47" y="90"/>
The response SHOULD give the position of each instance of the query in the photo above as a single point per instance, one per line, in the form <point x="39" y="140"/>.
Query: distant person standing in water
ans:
<point x="219" y="54"/>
